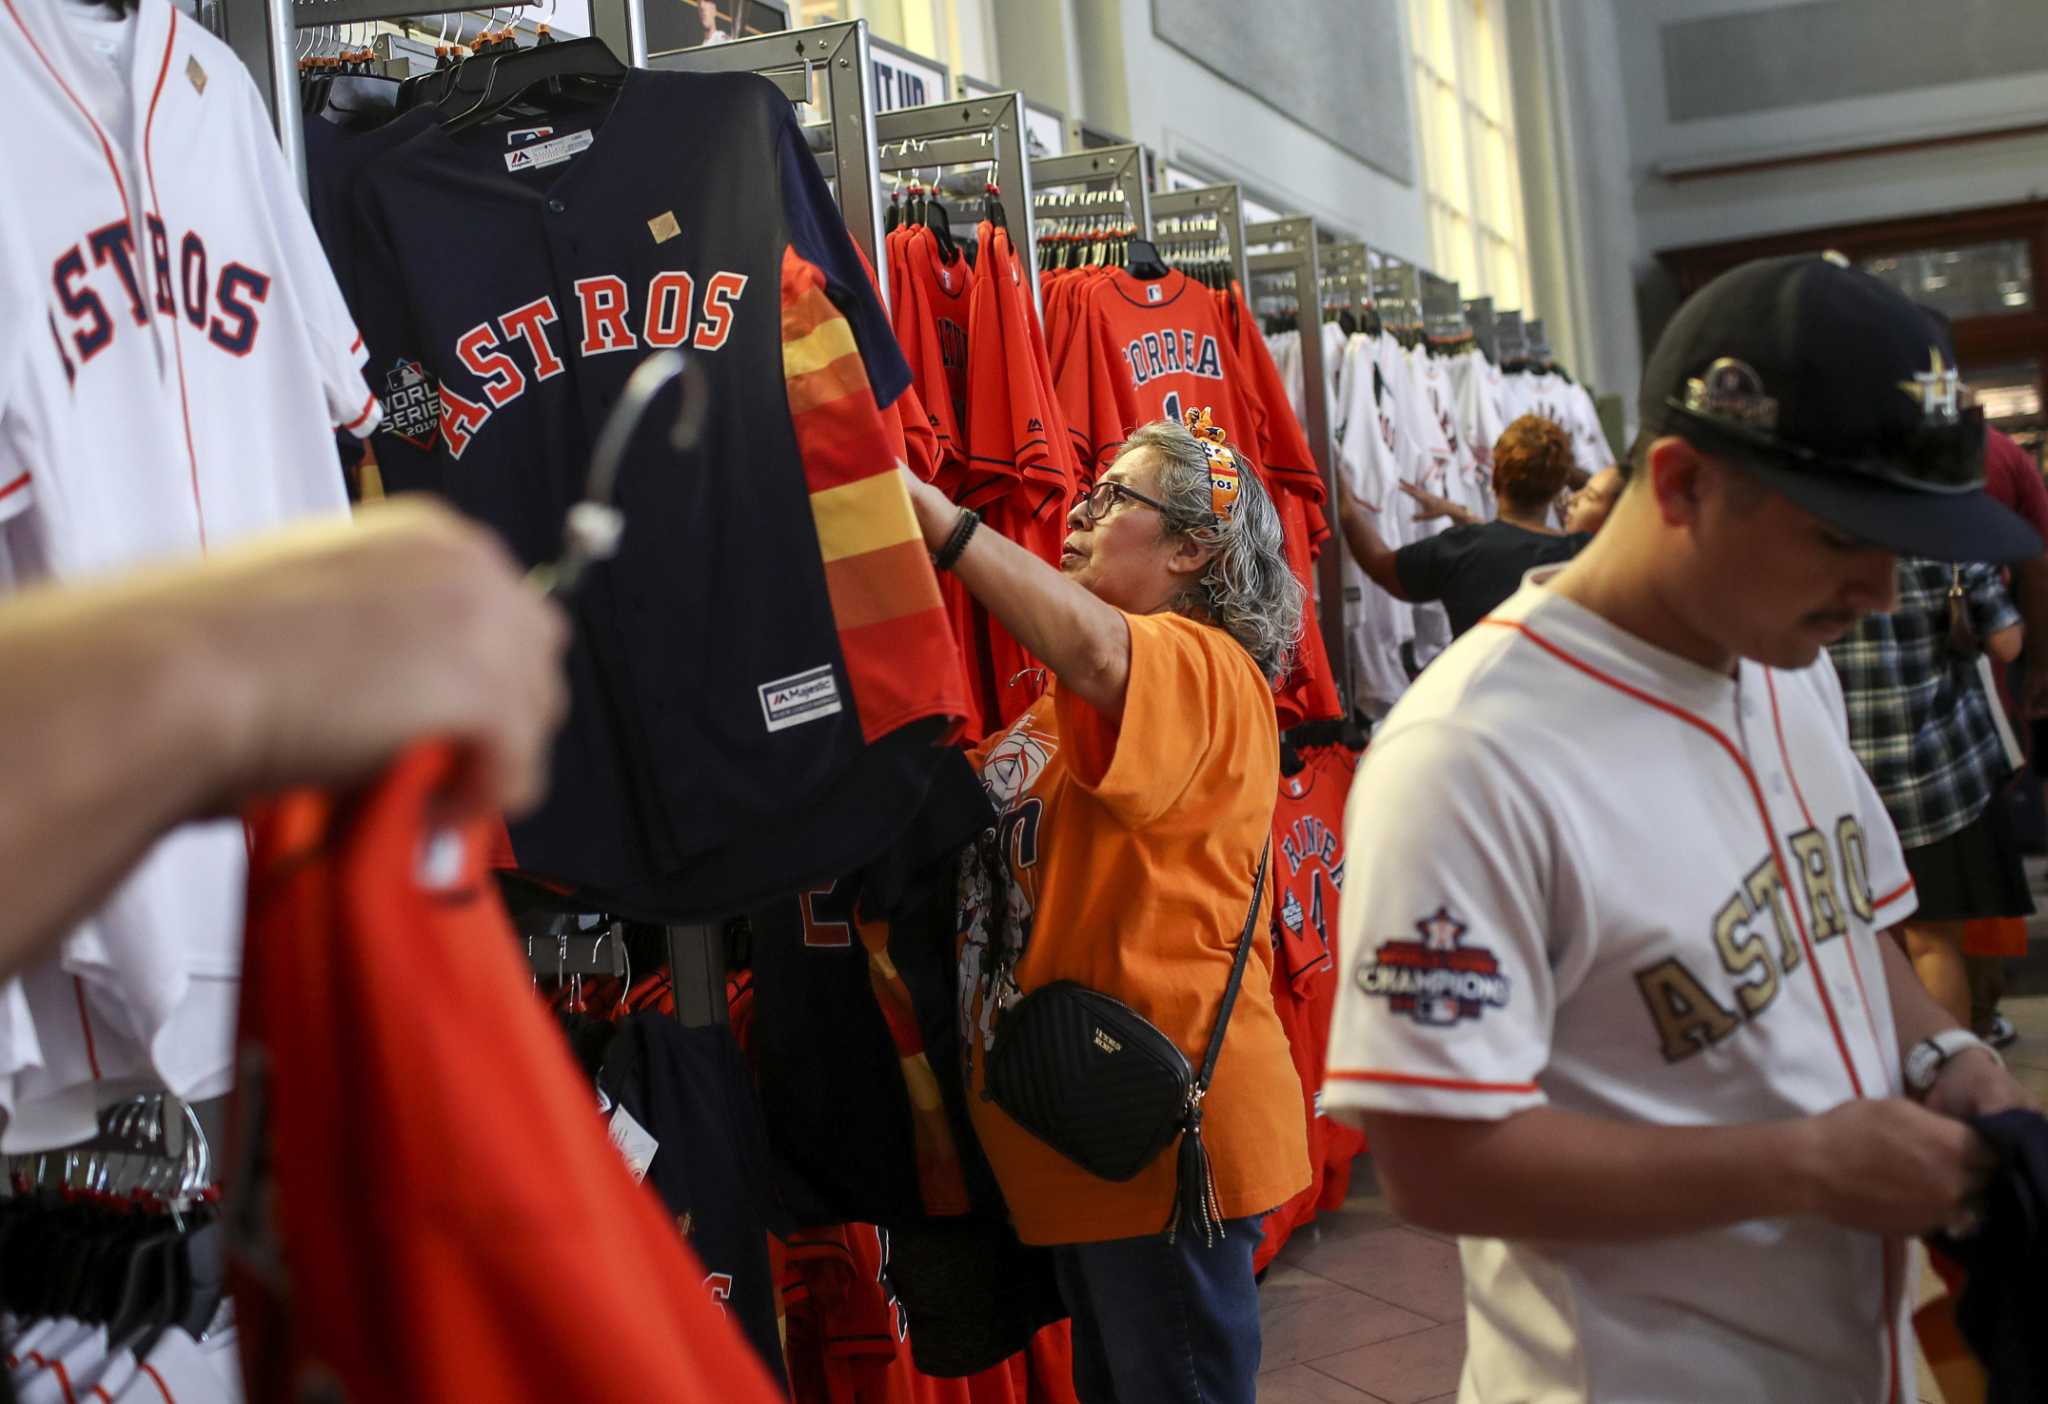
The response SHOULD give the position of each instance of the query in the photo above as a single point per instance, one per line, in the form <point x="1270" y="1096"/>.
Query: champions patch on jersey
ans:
<point x="1437" y="980"/>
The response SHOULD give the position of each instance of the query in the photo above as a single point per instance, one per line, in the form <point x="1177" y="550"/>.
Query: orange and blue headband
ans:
<point x="1225" y="475"/>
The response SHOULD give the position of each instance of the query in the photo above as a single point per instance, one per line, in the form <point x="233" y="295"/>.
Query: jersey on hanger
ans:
<point x="771" y="631"/>
<point x="174" y="357"/>
<point x="418" y="1192"/>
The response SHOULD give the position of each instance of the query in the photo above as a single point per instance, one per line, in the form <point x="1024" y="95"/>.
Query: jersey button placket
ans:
<point x="555" y="205"/>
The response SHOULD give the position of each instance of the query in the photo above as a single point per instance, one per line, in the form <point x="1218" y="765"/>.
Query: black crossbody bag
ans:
<point x="1095" y="1080"/>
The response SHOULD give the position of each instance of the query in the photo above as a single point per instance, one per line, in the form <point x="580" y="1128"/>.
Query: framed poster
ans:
<point x="1045" y="131"/>
<point x="685" y="24"/>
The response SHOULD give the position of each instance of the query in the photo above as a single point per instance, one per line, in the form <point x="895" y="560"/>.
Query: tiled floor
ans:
<point x="1362" y="1309"/>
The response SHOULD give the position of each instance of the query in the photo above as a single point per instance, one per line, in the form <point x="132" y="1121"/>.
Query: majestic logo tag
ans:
<point x="412" y="406"/>
<point x="1437" y="980"/>
<point x="799" y="698"/>
<point x="548" y="153"/>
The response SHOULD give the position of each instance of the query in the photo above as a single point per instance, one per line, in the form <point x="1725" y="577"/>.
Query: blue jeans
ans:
<point x="1164" y="1323"/>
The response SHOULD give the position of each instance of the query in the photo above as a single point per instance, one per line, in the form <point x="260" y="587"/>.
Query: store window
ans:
<point x="1465" y="114"/>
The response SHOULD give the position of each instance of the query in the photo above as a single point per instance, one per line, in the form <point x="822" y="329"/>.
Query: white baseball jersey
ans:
<point x="173" y="355"/>
<point x="1475" y="384"/>
<point x="1377" y="622"/>
<point x="1588" y="874"/>
<point x="1429" y="462"/>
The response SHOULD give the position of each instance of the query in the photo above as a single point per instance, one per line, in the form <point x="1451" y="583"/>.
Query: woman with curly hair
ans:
<point x="1473" y="566"/>
<point x="1134" y="801"/>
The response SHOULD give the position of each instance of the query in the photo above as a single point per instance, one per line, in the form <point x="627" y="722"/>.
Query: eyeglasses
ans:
<point x="1095" y="506"/>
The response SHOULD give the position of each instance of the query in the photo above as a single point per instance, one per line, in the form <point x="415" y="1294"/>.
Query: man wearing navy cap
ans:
<point x="1619" y="1005"/>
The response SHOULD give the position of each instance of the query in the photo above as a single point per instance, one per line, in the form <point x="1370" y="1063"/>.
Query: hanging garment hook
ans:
<point x="592" y="529"/>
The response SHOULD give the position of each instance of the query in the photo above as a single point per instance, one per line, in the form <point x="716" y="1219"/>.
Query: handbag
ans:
<point x="1962" y="633"/>
<point x="1099" y="1083"/>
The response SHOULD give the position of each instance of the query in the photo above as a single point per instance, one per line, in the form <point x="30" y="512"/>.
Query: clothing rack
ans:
<point x="1292" y="255"/>
<point x="1511" y="339"/>
<point x="1207" y="214"/>
<point x="264" y="35"/>
<point x="834" y="58"/>
<point x="1115" y="173"/>
<point x="1346" y="276"/>
<point x="977" y="131"/>
<point x="1397" y="288"/>
<point x="1480" y="318"/>
<point x="1443" y="315"/>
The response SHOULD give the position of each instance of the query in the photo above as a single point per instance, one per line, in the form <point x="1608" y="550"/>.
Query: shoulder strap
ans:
<point x="1244" y="950"/>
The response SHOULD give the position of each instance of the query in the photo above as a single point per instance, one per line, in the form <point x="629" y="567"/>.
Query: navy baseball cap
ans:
<point x="1837" y="391"/>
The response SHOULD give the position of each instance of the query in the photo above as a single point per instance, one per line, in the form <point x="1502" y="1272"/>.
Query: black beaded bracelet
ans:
<point x="963" y="532"/>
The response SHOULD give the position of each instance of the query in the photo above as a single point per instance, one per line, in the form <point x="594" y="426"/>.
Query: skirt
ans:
<point x="1974" y="872"/>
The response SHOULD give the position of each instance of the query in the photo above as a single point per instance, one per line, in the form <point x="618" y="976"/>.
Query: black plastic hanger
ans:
<point x="1142" y="260"/>
<point x="486" y="86"/>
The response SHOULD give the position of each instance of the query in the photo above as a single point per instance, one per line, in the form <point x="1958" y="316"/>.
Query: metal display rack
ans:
<point x="1207" y="213"/>
<point x="1117" y="171"/>
<point x="1292" y="256"/>
<point x="1479" y="316"/>
<point x="973" y="131"/>
<point x="1510" y="338"/>
<point x="1397" y="288"/>
<point x="831" y="57"/>
<point x="1346" y="274"/>
<point x="1443" y="315"/>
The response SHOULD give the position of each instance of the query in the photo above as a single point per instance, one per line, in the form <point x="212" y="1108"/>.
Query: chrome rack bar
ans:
<point x="1479" y="316"/>
<point x="1293" y="249"/>
<point x="1224" y="202"/>
<point x="996" y="117"/>
<point x="1120" y="168"/>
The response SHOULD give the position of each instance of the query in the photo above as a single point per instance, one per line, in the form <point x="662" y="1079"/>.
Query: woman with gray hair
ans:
<point x="1135" y="801"/>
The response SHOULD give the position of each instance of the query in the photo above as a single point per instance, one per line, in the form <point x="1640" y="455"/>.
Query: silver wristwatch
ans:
<point x="1926" y="1059"/>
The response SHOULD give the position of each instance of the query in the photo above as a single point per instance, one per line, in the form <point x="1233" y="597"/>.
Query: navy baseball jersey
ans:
<point x="769" y="643"/>
<point x="854" y="1031"/>
<point x="685" y="1116"/>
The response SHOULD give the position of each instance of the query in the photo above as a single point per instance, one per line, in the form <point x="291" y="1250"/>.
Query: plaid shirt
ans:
<point x="1919" y="719"/>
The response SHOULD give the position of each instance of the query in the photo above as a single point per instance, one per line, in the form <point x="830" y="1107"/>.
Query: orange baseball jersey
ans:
<point x="1144" y="351"/>
<point x="412" y="1139"/>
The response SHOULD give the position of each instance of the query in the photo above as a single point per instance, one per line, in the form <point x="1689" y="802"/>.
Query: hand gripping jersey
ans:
<point x="1584" y="873"/>
<point x="174" y="355"/>
<point x="417" y="1193"/>
<point x="760" y="672"/>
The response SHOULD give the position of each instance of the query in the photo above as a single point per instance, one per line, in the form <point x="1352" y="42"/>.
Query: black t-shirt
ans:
<point x="1473" y="568"/>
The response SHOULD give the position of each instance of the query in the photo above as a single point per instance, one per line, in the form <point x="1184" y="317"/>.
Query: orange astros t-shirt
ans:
<point x="1131" y="849"/>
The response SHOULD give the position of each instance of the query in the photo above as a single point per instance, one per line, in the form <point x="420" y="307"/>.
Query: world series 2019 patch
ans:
<point x="1436" y="980"/>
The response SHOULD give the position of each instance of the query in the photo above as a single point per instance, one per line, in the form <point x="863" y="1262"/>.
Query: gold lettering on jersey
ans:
<point x="195" y="75"/>
<point x="1688" y="1019"/>
<point x="1744" y="954"/>
<point x="1766" y="888"/>
<point x="1816" y="874"/>
<point x="664" y="226"/>
<point x="1855" y="867"/>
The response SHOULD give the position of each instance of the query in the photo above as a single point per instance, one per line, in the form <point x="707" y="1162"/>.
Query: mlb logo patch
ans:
<point x="1155" y="293"/>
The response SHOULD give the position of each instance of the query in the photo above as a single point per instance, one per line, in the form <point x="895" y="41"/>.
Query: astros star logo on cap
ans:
<point x="1938" y="388"/>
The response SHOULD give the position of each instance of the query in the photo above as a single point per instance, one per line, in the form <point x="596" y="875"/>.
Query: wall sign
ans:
<point x="904" y="79"/>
